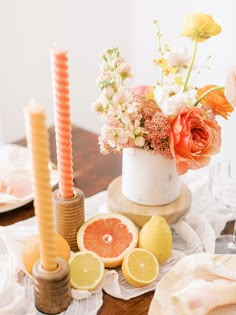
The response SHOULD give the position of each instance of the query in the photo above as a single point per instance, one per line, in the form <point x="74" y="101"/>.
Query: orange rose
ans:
<point x="216" y="100"/>
<point x="193" y="139"/>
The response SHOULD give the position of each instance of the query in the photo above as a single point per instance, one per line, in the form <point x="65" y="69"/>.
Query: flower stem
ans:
<point x="208" y="92"/>
<point x="159" y="46"/>
<point x="192" y="62"/>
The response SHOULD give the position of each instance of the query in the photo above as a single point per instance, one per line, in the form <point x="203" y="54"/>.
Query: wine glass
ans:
<point x="1" y="131"/>
<point x="222" y="185"/>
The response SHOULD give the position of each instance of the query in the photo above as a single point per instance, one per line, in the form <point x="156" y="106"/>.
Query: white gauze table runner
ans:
<point x="195" y="233"/>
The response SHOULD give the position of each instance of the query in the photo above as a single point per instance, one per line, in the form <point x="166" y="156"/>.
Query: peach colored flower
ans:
<point x="144" y="90"/>
<point x="216" y="100"/>
<point x="230" y="89"/>
<point x="193" y="139"/>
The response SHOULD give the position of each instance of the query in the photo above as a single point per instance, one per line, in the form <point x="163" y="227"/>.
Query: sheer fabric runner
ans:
<point x="196" y="233"/>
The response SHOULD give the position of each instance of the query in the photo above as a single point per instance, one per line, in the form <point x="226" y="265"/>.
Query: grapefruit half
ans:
<point x="110" y="235"/>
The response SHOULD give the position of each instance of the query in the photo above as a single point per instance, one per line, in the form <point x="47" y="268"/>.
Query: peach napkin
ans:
<point x="16" y="175"/>
<point x="196" y="285"/>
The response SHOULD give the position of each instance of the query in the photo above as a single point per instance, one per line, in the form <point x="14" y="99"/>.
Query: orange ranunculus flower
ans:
<point x="216" y="100"/>
<point x="193" y="139"/>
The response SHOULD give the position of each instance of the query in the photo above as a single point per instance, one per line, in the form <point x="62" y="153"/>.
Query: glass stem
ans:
<point x="234" y="234"/>
<point x="1" y="132"/>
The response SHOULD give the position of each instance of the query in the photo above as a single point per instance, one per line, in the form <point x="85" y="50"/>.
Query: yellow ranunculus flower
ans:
<point x="201" y="25"/>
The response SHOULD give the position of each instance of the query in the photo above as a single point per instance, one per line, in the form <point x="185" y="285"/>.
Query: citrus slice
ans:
<point x="86" y="270"/>
<point x="110" y="235"/>
<point x="140" y="267"/>
<point x="31" y="253"/>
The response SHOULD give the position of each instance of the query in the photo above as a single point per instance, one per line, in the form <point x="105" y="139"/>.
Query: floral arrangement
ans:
<point x="173" y="117"/>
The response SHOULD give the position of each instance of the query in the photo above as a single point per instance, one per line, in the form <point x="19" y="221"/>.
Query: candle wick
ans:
<point x="32" y="102"/>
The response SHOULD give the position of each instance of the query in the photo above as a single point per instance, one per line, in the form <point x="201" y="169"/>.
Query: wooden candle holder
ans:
<point x="52" y="289"/>
<point x="69" y="216"/>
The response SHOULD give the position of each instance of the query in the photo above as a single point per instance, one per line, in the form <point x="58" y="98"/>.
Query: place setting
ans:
<point x="16" y="177"/>
<point x="157" y="227"/>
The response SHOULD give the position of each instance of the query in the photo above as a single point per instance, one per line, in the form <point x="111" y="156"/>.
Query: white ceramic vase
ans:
<point x="149" y="179"/>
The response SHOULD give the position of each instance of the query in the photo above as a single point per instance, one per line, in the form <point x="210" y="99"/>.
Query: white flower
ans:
<point x="139" y="141"/>
<point x="173" y="104"/>
<point x="137" y="124"/>
<point x="103" y="100"/>
<point x="125" y="119"/>
<point x="107" y="133"/>
<point x="163" y="92"/>
<point x="115" y="137"/>
<point x="117" y="61"/>
<point x="108" y="92"/>
<point x="104" y="67"/>
<point x="121" y="135"/>
<point x="121" y="96"/>
<point x="97" y="107"/>
<point x="178" y="57"/>
<point x="170" y="99"/>
<point x="124" y="70"/>
<point x="105" y="76"/>
<point x="178" y="101"/>
<point x="122" y="67"/>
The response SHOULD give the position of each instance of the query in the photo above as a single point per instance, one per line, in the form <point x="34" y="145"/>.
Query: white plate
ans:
<point x="12" y="206"/>
<point x="17" y="158"/>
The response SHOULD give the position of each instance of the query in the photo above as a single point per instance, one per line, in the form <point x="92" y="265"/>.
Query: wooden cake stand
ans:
<point x="140" y="214"/>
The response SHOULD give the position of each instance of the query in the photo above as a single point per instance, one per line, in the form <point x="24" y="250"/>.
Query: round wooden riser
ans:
<point x="140" y="214"/>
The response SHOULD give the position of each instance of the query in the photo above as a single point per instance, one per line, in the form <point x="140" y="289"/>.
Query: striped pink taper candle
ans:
<point x="59" y="60"/>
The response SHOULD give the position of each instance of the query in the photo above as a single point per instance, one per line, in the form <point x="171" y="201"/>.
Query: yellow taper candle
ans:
<point x="37" y="137"/>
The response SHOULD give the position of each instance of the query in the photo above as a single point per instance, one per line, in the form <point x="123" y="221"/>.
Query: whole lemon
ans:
<point x="156" y="236"/>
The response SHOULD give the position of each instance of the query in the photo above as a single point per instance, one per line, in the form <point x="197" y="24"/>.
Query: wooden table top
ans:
<point x="92" y="173"/>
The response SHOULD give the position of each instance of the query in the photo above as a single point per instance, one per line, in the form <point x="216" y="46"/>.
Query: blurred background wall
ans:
<point x="29" y="28"/>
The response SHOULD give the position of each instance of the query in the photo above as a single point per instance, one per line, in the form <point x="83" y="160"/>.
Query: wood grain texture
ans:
<point x="52" y="289"/>
<point x="69" y="216"/>
<point x="93" y="172"/>
<point x="140" y="214"/>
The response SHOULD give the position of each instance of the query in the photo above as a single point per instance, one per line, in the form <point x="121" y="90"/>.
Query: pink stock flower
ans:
<point x="230" y="89"/>
<point x="193" y="139"/>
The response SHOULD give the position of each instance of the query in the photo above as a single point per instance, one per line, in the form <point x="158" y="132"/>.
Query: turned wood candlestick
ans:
<point x="69" y="215"/>
<point x="52" y="289"/>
